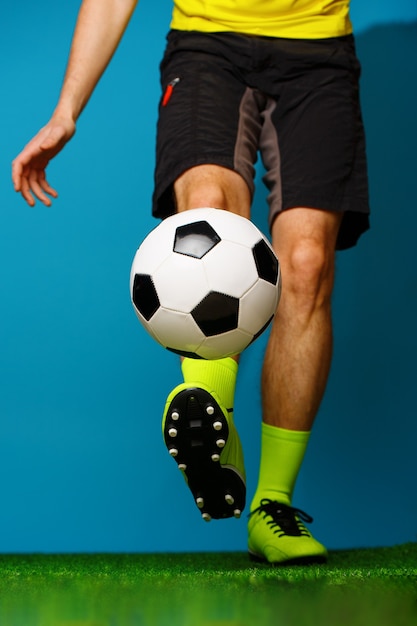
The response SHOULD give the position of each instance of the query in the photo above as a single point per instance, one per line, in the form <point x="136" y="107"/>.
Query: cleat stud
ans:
<point x="182" y="466"/>
<point x="206" y="517"/>
<point x="210" y="409"/>
<point x="199" y="502"/>
<point x="215" y="457"/>
<point x="175" y="415"/>
<point x="173" y="452"/>
<point x="220" y="443"/>
<point x="229" y="499"/>
<point x="217" y="425"/>
<point x="237" y="513"/>
<point x="173" y="432"/>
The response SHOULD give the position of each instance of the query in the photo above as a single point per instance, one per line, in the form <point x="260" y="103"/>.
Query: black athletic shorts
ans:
<point x="227" y="97"/>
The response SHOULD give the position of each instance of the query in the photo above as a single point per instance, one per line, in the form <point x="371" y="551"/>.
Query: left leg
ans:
<point x="296" y="366"/>
<point x="313" y="149"/>
<point x="298" y="355"/>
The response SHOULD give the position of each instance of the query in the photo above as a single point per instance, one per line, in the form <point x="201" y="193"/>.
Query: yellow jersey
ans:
<point x="294" y="19"/>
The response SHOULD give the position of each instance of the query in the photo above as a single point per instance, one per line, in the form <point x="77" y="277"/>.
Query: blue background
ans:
<point x="82" y="463"/>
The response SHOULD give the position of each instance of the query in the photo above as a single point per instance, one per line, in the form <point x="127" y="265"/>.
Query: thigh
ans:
<point x="313" y="138"/>
<point x="207" y="114"/>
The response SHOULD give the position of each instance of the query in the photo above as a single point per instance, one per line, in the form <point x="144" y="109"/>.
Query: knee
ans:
<point x="212" y="186"/>
<point x="205" y="194"/>
<point x="307" y="273"/>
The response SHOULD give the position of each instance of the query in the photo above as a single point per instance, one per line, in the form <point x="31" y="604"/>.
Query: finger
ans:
<point x="17" y="170"/>
<point x="20" y="168"/>
<point x="37" y="189"/>
<point x="46" y="186"/>
<point x="25" y="191"/>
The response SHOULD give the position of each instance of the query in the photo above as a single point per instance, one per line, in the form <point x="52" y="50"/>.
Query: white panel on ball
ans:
<point x="154" y="249"/>
<point x="180" y="282"/>
<point x="177" y="331"/>
<point x="227" y="344"/>
<point x="224" y="265"/>
<point x="257" y="306"/>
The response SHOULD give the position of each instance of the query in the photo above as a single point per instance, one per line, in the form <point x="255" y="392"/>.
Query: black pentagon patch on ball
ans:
<point x="217" y="313"/>
<point x="195" y="239"/>
<point x="266" y="262"/>
<point x="144" y="296"/>
<point x="190" y="355"/>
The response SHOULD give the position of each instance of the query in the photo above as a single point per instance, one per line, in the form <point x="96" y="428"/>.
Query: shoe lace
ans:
<point x="285" y="519"/>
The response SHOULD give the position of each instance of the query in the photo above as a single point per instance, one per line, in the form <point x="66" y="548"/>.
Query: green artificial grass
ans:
<point x="371" y="587"/>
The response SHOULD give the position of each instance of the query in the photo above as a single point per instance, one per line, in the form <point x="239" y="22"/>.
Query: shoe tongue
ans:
<point x="285" y="518"/>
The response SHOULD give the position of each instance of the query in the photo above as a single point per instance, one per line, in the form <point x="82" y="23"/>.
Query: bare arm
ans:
<point x="99" y="29"/>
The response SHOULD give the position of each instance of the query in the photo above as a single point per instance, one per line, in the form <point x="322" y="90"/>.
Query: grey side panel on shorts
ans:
<point x="248" y="134"/>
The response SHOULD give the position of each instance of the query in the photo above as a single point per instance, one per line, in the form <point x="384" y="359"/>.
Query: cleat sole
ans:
<point x="219" y="491"/>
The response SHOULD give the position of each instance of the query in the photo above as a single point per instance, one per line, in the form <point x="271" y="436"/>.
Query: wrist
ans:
<point x="66" y="112"/>
<point x="70" y="103"/>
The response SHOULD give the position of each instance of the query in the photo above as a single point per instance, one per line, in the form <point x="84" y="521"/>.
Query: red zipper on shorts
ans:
<point x="168" y="91"/>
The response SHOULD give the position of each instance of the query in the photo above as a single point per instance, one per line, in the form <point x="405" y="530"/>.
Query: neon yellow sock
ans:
<point x="282" y="452"/>
<point x="218" y="375"/>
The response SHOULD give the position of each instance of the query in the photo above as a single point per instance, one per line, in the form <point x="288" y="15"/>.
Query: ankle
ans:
<point x="271" y="494"/>
<point x="217" y="375"/>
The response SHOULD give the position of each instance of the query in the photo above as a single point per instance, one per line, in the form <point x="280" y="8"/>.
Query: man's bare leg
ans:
<point x="298" y="355"/>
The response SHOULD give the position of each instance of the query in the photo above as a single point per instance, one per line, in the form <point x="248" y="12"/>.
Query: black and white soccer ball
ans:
<point x="205" y="283"/>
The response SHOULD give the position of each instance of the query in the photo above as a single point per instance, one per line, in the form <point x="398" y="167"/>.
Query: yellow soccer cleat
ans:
<point x="278" y="536"/>
<point x="201" y="437"/>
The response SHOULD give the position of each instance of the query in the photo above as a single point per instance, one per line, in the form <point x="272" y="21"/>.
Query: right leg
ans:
<point x="198" y="425"/>
<point x="207" y="144"/>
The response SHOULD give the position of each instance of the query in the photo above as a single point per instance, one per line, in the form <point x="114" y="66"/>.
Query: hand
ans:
<point x="28" y="168"/>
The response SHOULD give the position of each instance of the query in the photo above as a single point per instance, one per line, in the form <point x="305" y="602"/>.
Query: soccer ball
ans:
<point x="205" y="283"/>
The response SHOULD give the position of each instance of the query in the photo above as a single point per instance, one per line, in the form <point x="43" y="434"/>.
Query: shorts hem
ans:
<point x="355" y="220"/>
